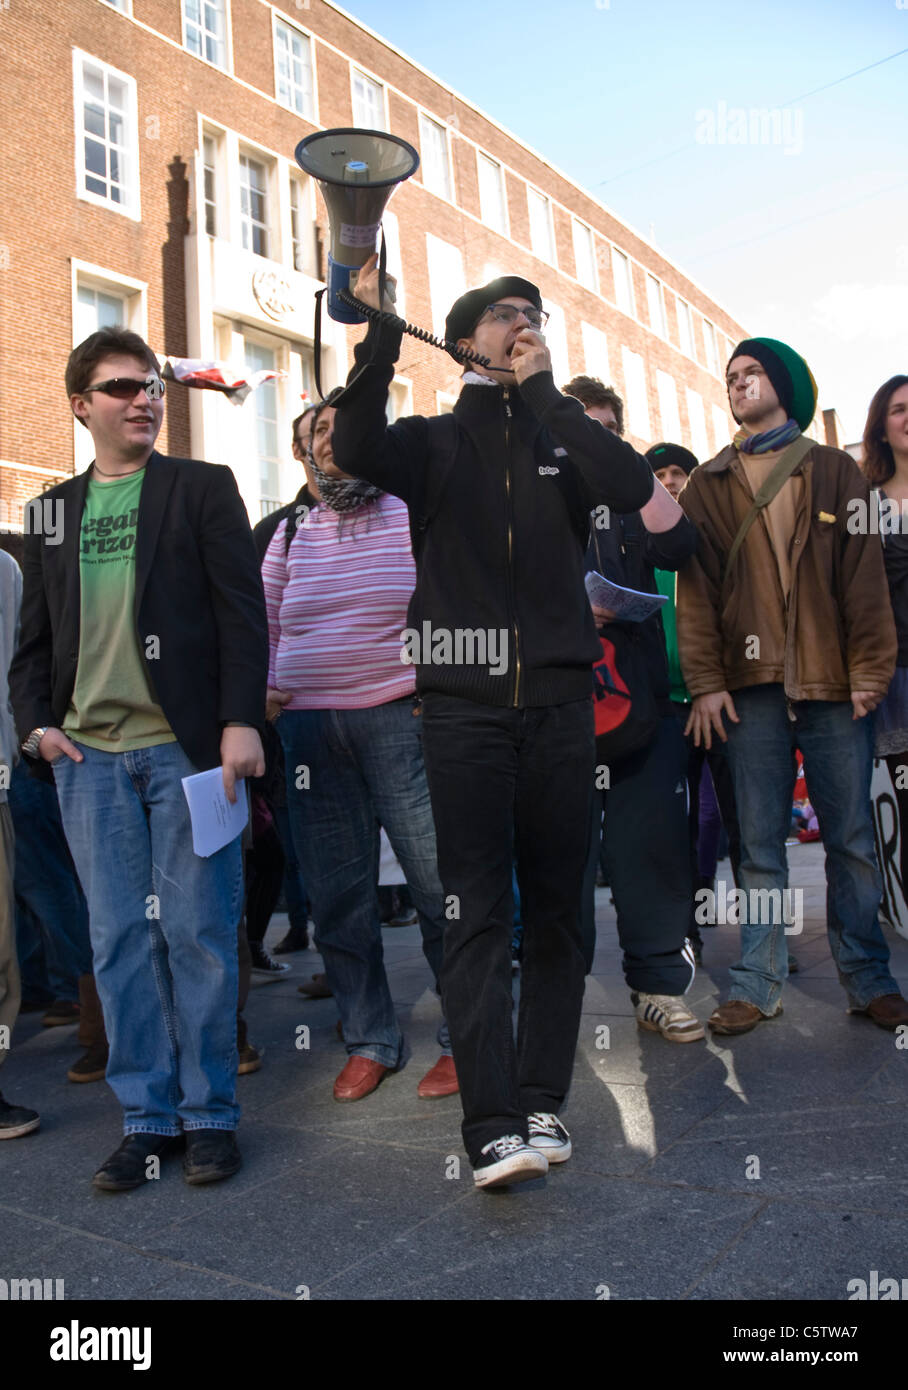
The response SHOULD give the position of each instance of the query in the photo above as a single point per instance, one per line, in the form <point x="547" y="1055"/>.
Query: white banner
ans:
<point x="888" y="835"/>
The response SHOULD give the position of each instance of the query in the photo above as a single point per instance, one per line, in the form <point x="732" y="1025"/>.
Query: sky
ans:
<point x="800" y="230"/>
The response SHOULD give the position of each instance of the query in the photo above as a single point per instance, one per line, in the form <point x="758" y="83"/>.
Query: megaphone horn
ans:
<point x="357" y="171"/>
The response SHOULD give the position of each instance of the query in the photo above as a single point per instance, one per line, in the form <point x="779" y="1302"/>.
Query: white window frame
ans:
<point x="370" y="77"/>
<point x="447" y="193"/>
<point x="619" y="255"/>
<point x="227" y="65"/>
<point x="132" y="206"/>
<point x="279" y="20"/>
<point x="684" y="311"/>
<point x="699" y="443"/>
<point x="401" y="393"/>
<point x="552" y="257"/>
<point x="121" y="6"/>
<point x="585" y="228"/>
<point x="722" y="433"/>
<point x="636" y="403"/>
<point x="660" y="328"/>
<point x="445" y="402"/>
<point x="670" y="417"/>
<point x="252" y="336"/>
<point x="596" y="358"/>
<point x="257" y="156"/>
<point x="221" y="217"/>
<point x="444" y="287"/>
<point x="711" y="346"/>
<point x="504" y="230"/>
<point x="306" y="213"/>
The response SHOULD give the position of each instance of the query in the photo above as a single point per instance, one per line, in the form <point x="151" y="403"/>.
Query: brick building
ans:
<point x="148" y="178"/>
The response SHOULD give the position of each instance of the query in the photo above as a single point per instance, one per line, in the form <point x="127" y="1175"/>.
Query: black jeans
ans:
<point x="506" y="781"/>
<point x="646" y="851"/>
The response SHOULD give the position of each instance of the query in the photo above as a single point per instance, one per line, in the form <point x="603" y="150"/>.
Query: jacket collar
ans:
<point x="730" y="459"/>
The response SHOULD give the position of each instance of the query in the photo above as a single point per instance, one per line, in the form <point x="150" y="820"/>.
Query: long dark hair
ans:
<point x="878" y="463"/>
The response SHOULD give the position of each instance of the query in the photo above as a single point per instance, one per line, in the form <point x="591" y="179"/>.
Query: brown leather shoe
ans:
<point x="316" y="988"/>
<point x="737" y="1016"/>
<point x="889" y="1011"/>
<point x="360" y="1076"/>
<point x="441" y="1080"/>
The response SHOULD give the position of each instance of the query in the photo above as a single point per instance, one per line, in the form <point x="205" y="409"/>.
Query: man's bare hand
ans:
<point x="863" y="701"/>
<point x="529" y="355"/>
<point x="602" y="615"/>
<point x="275" y="700"/>
<point x="366" y="286"/>
<point x="706" y="716"/>
<point x="242" y="755"/>
<point x="54" y="743"/>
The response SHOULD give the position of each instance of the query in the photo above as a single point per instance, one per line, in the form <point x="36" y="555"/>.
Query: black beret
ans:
<point x="469" y="308"/>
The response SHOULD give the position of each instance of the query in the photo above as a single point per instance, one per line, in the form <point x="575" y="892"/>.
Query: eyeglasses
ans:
<point x="126" y="388"/>
<point x="507" y="313"/>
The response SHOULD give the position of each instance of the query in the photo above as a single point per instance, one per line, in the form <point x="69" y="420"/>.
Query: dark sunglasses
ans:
<point x="126" y="388"/>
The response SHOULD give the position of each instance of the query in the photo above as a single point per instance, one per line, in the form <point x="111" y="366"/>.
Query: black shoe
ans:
<point x="128" y="1165"/>
<point x="211" y="1154"/>
<point x="793" y="966"/>
<point x="15" y="1120"/>
<point x="263" y="964"/>
<point x="297" y="939"/>
<point x="92" y="1065"/>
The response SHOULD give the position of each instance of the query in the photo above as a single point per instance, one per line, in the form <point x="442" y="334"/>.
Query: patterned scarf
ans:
<point x="345" y="495"/>
<point x="764" y="443"/>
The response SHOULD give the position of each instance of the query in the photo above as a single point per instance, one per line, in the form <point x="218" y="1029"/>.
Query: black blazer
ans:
<point x="198" y="589"/>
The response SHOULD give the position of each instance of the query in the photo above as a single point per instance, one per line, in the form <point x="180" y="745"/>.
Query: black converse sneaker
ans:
<point x="506" y="1160"/>
<point x="265" y="964"/>
<point x="549" y="1136"/>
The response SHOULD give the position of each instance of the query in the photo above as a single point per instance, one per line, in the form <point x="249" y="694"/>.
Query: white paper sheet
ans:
<point x="214" y="821"/>
<point x="628" y="605"/>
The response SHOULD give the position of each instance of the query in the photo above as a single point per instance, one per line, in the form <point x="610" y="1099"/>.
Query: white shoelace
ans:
<point x="545" y="1124"/>
<point x="508" y="1144"/>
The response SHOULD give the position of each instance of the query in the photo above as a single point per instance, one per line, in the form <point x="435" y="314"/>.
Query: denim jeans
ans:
<point x="502" y="779"/>
<point x="364" y="768"/>
<point x="837" y="752"/>
<point x="48" y="895"/>
<point x="164" y="936"/>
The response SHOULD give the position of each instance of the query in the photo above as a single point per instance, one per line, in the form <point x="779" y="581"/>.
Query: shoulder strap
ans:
<point x="431" y="479"/>
<point x="785" y="466"/>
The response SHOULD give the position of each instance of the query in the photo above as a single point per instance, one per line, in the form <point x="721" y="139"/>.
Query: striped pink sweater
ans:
<point x="336" y="608"/>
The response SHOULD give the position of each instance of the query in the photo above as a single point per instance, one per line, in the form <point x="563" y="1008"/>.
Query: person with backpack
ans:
<point x="785" y="630"/>
<point x="503" y="639"/>
<point x="642" y="762"/>
<point x="337" y="587"/>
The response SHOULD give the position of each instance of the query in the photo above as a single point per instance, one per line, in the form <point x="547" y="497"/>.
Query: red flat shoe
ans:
<point x="441" y="1080"/>
<point x="360" y="1076"/>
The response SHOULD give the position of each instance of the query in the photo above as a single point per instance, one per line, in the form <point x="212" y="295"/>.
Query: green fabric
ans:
<point x="113" y="707"/>
<point x="803" y="404"/>
<point x="665" y="583"/>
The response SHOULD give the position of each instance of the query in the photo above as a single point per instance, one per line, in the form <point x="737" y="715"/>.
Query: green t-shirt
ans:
<point x="666" y="581"/>
<point x="113" y="707"/>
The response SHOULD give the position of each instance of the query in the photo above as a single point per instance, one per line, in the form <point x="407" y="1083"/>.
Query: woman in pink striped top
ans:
<point x="337" y="592"/>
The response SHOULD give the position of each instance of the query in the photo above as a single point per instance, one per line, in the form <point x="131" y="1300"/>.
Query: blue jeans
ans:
<point x="164" y="935"/>
<point x="837" y="751"/>
<point x="49" y="902"/>
<point x="364" y="769"/>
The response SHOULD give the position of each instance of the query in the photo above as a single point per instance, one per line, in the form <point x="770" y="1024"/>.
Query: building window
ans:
<point x="302" y="227"/>
<point x="698" y="441"/>
<point x="394" y="264"/>
<point x="729" y="349"/>
<point x="541" y="238"/>
<point x="686" y="330"/>
<point x="254" y="205"/>
<point x="668" y="408"/>
<point x="721" y="430"/>
<point x="368" y="102"/>
<point x="712" y="350"/>
<point x="293" y="65"/>
<point x="595" y="352"/>
<point x="210" y="182"/>
<point x="556" y="341"/>
<point x="444" y="402"/>
<point x="106" y="135"/>
<point x="205" y="30"/>
<point x="585" y="255"/>
<point x="400" y="400"/>
<point x="624" y="285"/>
<point x="446" y="279"/>
<point x="656" y="306"/>
<point x="493" y="206"/>
<point x="436" y="166"/>
<point x="121" y="5"/>
<point x="635" y="393"/>
<point x="264" y="359"/>
<point x="101" y="301"/>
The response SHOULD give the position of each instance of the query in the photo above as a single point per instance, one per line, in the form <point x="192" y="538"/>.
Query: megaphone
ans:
<point x="357" y="171"/>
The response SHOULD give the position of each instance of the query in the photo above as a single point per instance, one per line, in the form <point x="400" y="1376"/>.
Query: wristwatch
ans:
<point x="30" y="746"/>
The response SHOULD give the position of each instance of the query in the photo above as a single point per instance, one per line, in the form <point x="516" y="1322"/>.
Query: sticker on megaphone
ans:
<point x="352" y="235"/>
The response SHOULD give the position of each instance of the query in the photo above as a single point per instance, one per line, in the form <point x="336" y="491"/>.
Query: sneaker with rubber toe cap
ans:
<point x="15" y="1120"/>
<point x="549" y="1136"/>
<point x="667" y="1014"/>
<point x="265" y="964"/>
<point x="508" y="1160"/>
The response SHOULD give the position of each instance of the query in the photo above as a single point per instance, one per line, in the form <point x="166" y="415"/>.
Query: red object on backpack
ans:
<point x="611" y="696"/>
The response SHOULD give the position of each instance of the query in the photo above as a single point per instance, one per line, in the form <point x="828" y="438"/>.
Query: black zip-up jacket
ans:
<point x="503" y="552"/>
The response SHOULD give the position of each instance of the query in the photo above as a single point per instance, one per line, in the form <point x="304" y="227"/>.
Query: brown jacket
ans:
<point x="839" y="633"/>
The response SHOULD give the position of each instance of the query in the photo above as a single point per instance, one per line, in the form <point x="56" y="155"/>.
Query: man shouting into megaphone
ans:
<point x="503" y="640"/>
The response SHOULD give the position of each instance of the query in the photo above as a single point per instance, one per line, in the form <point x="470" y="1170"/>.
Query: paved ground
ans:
<point x="363" y="1201"/>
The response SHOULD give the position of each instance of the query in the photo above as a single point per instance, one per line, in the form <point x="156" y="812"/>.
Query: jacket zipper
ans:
<point x="507" y="483"/>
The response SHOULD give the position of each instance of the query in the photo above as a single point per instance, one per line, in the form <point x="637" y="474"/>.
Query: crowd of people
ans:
<point x="409" y="650"/>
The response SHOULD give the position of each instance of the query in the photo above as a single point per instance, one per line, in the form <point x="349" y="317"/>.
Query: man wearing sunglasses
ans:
<point x="501" y="501"/>
<point x="143" y="659"/>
